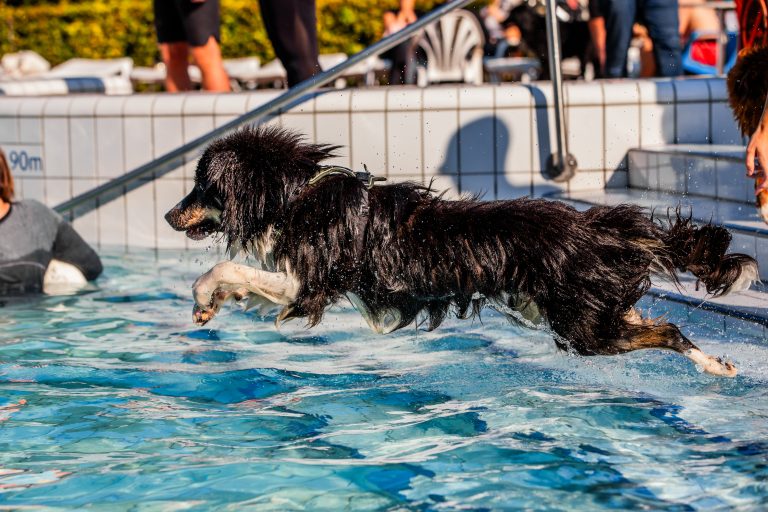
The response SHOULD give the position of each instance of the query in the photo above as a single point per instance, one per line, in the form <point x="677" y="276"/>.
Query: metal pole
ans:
<point x="561" y="165"/>
<point x="92" y="199"/>
<point x="722" y="42"/>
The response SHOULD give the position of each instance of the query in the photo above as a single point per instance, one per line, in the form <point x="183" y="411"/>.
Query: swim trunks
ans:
<point x="184" y="21"/>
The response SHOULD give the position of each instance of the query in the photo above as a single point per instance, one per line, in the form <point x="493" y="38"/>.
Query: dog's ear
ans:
<point x="223" y="166"/>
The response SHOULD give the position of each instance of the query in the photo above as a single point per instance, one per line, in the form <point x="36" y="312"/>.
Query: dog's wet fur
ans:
<point x="402" y="253"/>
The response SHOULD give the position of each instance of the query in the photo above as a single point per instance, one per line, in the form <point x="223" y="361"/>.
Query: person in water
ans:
<point x="39" y="251"/>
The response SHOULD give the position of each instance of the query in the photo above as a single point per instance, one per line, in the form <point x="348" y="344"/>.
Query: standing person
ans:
<point x="292" y="27"/>
<point x="661" y="19"/>
<point x="401" y="55"/>
<point x="748" y="93"/>
<point x="38" y="248"/>
<point x="190" y="26"/>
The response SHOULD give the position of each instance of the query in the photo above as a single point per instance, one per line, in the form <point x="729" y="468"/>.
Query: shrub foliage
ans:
<point x="109" y="28"/>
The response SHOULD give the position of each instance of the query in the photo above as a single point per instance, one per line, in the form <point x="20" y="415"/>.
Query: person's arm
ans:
<point x="758" y="149"/>
<point x="70" y="248"/>
<point x="406" y="14"/>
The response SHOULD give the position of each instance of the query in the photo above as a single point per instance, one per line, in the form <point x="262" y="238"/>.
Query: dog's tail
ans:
<point x="702" y="251"/>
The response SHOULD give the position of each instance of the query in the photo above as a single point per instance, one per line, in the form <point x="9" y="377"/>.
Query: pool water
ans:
<point x="114" y="398"/>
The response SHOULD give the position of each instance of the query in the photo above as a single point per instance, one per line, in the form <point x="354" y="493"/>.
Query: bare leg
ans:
<point x="229" y="279"/>
<point x="208" y="59"/>
<point x="176" y="59"/>
<point x="642" y="333"/>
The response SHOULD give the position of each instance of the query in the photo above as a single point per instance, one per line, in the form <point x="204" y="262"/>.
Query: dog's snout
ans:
<point x="173" y="217"/>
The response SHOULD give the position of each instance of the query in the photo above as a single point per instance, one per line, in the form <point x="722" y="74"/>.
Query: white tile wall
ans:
<point x="33" y="188"/>
<point x="368" y="146"/>
<point x="112" y="223"/>
<point x="30" y="120"/>
<point x="439" y="137"/>
<point x="87" y="225"/>
<point x="514" y="140"/>
<point x="731" y="183"/>
<point x="701" y="179"/>
<point x="761" y="255"/>
<point x="56" y="149"/>
<point x="9" y="126"/>
<point x="482" y="185"/>
<point x="491" y="139"/>
<point x="83" y="160"/>
<point x="587" y="134"/>
<point x="476" y="142"/>
<point x="140" y="216"/>
<point x="110" y="150"/>
<point x="622" y="131"/>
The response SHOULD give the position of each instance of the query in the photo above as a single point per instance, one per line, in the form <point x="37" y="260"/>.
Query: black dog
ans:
<point x="322" y="233"/>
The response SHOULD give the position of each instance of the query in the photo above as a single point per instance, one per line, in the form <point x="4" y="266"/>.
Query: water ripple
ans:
<point x="113" y="399"/>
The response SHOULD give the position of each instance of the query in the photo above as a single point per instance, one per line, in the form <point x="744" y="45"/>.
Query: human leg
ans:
<point x="292" y="28"/>
<point x="208" y="59"/>
<point x="619" y="17"/>
<point x="661" y="18"/>
<point x="202" y="28"/>
<point x="176" y="59"/>
<point x="173" y="46"/>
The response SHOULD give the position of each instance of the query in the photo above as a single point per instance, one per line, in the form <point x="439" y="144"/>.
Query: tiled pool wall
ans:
<point x="490" y="139"/>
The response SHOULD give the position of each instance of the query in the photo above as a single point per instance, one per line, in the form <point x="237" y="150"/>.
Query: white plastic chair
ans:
<point x="453" y="46"/>
<point x="100" y="68"/>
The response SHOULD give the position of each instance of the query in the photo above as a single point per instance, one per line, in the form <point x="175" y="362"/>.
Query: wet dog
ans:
<point x="402" y="254"/>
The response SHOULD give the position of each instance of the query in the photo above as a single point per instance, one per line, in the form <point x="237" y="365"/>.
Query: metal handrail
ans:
<point x="117" y="187"/>
<point x="561" y="165"/>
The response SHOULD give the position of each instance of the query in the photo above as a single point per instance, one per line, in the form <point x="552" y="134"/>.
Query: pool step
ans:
<point x="700" y="170"/>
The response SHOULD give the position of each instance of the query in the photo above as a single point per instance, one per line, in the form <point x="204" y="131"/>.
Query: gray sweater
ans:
<point x="31" y="235"/>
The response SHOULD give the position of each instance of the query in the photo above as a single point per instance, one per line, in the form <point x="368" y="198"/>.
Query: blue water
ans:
<point x="112" y="398"/>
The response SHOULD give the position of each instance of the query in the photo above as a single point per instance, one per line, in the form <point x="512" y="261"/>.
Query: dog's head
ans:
<point x="244" y="182"/>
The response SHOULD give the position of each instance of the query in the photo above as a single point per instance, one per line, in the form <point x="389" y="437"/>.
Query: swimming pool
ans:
<point x="114" y="398"/>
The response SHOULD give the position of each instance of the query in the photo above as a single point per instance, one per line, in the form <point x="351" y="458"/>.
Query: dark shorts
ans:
<point x="184" y="21"/>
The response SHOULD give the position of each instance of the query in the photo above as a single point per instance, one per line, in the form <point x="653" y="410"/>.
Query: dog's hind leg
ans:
<point x="639" y="333"/>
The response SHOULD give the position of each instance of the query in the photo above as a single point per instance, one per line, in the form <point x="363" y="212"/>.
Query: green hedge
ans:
<point x="117" y="28"/>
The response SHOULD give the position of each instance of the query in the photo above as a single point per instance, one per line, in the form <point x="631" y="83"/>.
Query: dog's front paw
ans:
<point x="209" y="293"/>
<point x="202" y="316"/>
